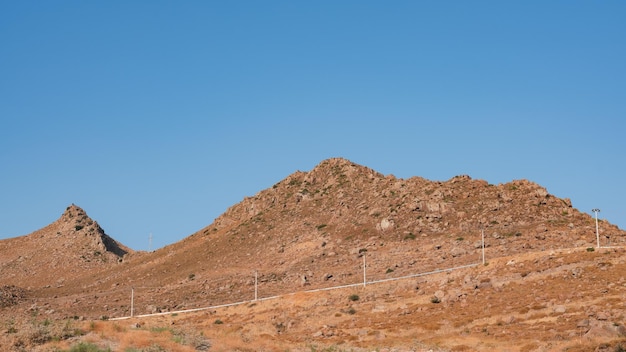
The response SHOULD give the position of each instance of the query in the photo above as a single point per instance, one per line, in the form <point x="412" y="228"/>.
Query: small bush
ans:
<point x="87" y="347"/>
<point x="435" y="299"/>
<point x="354" y="297"/>
<point x="78" y="227"/>
<point x="218" y="322"/>
<point x="389" y="270"/>
<point x="590" y="249"/>
<point x="351" y="311"/>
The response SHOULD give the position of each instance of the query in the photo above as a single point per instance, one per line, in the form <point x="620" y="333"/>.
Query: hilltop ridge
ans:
<point x="72" y="245"/>
<point x="313" y="230"/>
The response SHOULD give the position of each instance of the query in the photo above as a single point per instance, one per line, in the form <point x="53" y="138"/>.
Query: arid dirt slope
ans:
<point x="544" y="288"/>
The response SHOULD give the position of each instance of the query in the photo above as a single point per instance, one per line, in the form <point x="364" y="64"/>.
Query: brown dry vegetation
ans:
<point x="543" y="288"/>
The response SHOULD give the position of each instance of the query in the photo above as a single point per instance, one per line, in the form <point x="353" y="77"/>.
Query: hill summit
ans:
<point x="418" y="243"/>
<point x="72" y="245"/>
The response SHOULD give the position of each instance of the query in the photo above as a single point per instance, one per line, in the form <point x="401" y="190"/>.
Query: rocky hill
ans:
<point x="72" y="246"/>
<point x="316" y="229"/>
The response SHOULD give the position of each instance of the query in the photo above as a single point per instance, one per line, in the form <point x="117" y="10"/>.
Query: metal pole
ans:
<point x="132" y="301"/>
<point x="483" y="236"/>
<point x="596" y="210"/>
<point x="364" y="274"/>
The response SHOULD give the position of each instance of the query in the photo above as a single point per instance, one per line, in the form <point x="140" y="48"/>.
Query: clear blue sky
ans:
<point x="156" y="116"/>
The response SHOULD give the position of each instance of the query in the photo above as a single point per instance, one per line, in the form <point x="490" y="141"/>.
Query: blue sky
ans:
<point x="156" y="116"/>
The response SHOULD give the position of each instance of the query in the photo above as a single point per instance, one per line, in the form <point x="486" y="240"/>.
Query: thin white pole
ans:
<point x="364" y="273"/>
<point x="256" y="284"/>
<point x="483" y="236"/>
<point x="596" y="210"/>
<point x="132" y="301"/>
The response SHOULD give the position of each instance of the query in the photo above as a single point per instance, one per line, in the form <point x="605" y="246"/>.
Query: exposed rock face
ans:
<point x="339" y="199"/>
<point x="11" y="295"/>
<point x="69" y="247"/>
<point x="76" y="222"/>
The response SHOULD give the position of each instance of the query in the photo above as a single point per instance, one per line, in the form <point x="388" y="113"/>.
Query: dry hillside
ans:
<point x="74" y="245"/>
<point x="545" y="287"/>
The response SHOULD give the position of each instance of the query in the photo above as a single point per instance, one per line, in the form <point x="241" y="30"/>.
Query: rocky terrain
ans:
<point x="543" y="286"/>
<point x="72" y="246"/>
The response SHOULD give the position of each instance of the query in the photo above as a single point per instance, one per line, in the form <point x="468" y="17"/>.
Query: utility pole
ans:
<point x="483" y="240"/>
<point x="256" y="285"/>
<point x="132" y="301"/>
<point x="596" y="210"/>
<point x="364" y="274"/>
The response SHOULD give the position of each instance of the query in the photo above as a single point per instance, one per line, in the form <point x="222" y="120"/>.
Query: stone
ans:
<point x="440" y="294"/>
<point x="602" y="316"/>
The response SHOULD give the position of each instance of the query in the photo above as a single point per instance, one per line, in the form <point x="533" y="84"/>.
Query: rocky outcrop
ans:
<point x="72" y="246"/>
<point x="11" y="295"/>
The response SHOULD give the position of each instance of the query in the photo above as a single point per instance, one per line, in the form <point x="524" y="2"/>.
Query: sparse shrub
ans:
<point x="39" y="332"/>
<point x="354" y="297"/>
<point x="321" y="226"/>
<point x="78" y="227"/>
<point x="590" y="249"/>
<point x="435" y="299"/>
<point x="66" y="331"/>
<point x="118" y="328"/>
<point x="154" y="348"/>
<point x="218" y="322"/>
<point x="351" y="311"/>
<point x="191" y="277"/>
<point x="159" y="329"/>
<point x="389" y="270"/>
<point x="460" y="239"/>
<point x="87" y="347"/>
<point x="11" y="329"/>
<point x="410" y="236"/>
<point x="190" y="338"/>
